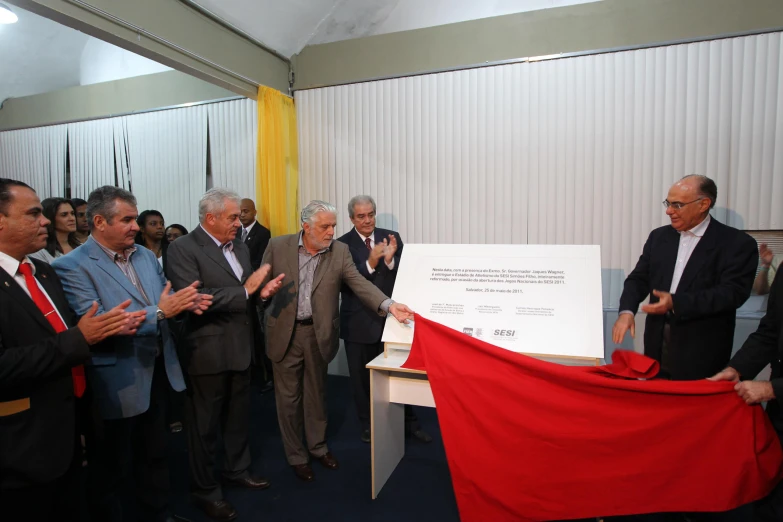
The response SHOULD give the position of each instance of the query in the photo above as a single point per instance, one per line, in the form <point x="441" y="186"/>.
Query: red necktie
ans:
<point x="367" y="242"/>
<point x="46" y="308"/>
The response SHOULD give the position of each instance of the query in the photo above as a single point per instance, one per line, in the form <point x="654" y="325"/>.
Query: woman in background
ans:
<point x="152" y="234"/>
<point x="175" y="231"/>
<point x="62" y="228"/>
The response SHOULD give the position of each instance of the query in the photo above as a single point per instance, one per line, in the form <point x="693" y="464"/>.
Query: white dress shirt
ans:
<point x="688" y="241"/>
<point x="11" y="266"/>
<point x="370" y="269"/>
<point x="249" y="228"/>
<point x="230" y="256"/>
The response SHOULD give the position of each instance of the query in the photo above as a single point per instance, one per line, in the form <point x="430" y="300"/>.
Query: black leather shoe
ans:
<point x="422" y="436"/>
<point x="219" y="510"/>
<point x="366" y="436"/>
<point x="303" y="472"/>
<point x="328" y="461"/>
<point x="249" y="483"/>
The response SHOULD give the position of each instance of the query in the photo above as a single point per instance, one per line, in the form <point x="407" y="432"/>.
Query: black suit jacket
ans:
<point x="358" y="323"/>
<point x="256" y="242"/>
<point x="716" y="281"/>
<point x="765" y="346"/>
<point x="36" y="444"/>
<point x="221" y="339"/>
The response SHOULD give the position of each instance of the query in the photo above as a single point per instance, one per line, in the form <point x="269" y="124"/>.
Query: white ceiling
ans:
<point x="289" y="25"/>
<point x="38" y="55"/>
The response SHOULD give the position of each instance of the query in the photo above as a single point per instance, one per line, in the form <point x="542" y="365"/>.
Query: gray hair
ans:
<point x="707" y="187"/>
<point x="103" y="202"/>
<point x="214" y="202"/>
<point x="358" y="200"/>
<point x="313" y="208"/>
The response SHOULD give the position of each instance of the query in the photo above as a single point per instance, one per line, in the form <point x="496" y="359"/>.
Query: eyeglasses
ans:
<point x="676" y="205"/>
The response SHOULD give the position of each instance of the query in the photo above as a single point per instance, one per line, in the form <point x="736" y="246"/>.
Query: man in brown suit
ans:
<point x="303" y="328"/>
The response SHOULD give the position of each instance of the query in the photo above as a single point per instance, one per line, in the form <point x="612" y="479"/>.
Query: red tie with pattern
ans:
<point x="46" y="308"/>
<point x="367" y="242"/>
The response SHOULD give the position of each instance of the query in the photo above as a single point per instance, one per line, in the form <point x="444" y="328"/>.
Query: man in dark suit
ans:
<point x="698" y="272"/>
<point x="763" y="347"/>
<point x="218" y="346"/>
<point x="41" y="353"/>
<point x="376" y="253"/>
<point x="131" y="376"/>
<point x="255" y="235"/>
<point x="303" y="327"/>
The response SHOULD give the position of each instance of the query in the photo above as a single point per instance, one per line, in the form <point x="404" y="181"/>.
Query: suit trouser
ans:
<point x="55" y="500"/>
<point x="358" y="355"/>
<point x="770" y="508"/>
<point x="219" y="402"/>
<point x="300" y="394"/>
<point x="137" y="446"/>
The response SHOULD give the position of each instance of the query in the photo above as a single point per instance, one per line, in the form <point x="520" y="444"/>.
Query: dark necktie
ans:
<point x="46" y="308"/>
<point x="367" y="242"/>
<point x="244" y="234"/>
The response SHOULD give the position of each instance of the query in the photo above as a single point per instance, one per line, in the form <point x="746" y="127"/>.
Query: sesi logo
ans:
<point x="504" y="333"/>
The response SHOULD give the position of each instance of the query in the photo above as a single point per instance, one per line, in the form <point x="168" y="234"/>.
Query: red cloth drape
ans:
<point x="532" y="440"/>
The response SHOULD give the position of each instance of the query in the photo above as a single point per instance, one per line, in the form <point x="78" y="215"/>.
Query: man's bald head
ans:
<point x="247" y="212"/>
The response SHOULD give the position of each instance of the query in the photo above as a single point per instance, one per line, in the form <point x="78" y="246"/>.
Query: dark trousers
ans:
<point x="217" y="404"/>
<point x="770" y="508"/>
<point x="300" y="395"/>
<point x="55" y="500"/>
<point x="135" y="446"/>
<point x="358" y="355"/>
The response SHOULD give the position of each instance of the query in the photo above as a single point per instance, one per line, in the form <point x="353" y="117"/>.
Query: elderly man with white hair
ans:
<point x="302" y="324"/>
<point x="217" y="349"/>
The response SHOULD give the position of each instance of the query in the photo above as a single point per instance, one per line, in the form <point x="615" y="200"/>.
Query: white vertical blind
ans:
<point x="233" y="129"/>
<point x="167" y="155"/>
<point x="120" y="131"/>
<point x="36" y="157"/>
<point x="572" y="151"/>
<point x="91" y="150"/>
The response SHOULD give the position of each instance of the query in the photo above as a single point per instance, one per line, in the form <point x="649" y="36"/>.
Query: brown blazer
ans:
<point x="334" y="268"/>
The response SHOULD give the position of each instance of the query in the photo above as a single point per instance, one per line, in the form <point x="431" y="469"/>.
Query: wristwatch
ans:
<point x="160" y="315"/>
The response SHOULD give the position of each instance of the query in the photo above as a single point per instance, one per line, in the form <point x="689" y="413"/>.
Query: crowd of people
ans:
<point x="117" y="315"/>
<point x="107" y="317"/>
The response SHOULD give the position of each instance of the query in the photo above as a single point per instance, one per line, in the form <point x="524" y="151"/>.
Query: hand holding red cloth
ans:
<point x="530" y="440"/>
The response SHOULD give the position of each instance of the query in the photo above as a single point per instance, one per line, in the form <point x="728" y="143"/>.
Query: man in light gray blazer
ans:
<point x="129" y="374"/>
<point x="303" y="327"/>
<point x="217" y="348"/>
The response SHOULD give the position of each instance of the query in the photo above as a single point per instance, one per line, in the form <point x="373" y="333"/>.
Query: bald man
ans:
<point x="253" y="234"/>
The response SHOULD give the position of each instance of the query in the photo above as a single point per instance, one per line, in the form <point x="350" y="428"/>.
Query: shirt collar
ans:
<point x="11" y="265"/>
<point x="218" y="243"/>
<point x="699" y="229"/>
<point x="301" y="244"/>
<point x="125" y="255"/>
<point x="250" y="227"/>
<point x="364" y="239"/>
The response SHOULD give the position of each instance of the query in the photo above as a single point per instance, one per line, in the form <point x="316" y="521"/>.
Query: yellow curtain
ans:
<point x="277" y="165"/>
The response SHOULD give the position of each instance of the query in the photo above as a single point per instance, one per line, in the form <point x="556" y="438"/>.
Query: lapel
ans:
<point x="243" y="256"/>
<point x="252" y="234"/>
<point x="12" y="288"/>
<point x="292" y="258"/>
<point x="359" y="245"/>
<point x="96" y="253"/>
<point x="700" y="254"/>
<point x="323" y="266"/>
<point x="669" y="249"/>
<point x="213" y="251"/>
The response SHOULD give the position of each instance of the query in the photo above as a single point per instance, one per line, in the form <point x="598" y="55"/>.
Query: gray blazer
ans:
<point x="335" y="268"/>
<point x="121" y="367"/>
<point x="221" y="339"/>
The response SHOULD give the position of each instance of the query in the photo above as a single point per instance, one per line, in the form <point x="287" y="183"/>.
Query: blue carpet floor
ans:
<point x="419" y="490"/>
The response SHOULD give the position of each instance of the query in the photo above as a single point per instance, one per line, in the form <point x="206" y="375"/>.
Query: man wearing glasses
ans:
<point x="697" y="272"/>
